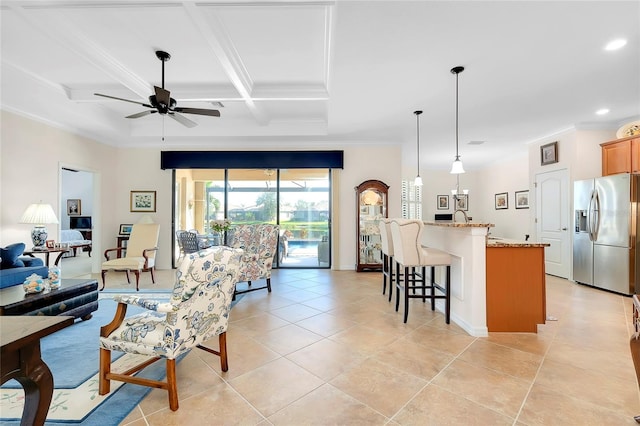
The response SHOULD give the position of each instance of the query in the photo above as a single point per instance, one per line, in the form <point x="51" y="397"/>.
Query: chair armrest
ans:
<point x="150" y="304"/>
<point x="107" y="251"/>
<point x="121" y="311"/>
<point x="144" y="252"/>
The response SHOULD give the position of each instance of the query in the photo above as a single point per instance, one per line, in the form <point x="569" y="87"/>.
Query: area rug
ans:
<point x="75" y="370"/>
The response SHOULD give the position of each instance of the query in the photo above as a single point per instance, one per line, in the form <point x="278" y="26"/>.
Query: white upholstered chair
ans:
<point x="197" y="311"/>
<point x="140" y="253"/>
<point x="411" y="255"/>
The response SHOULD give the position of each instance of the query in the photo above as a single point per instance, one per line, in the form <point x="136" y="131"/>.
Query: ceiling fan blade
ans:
<point x="122" y="99"/>
<point x="141" y="114"/>
<point x="162" y="96"/>
<point x="182" y="120"/>
<point x="199" y="111"/>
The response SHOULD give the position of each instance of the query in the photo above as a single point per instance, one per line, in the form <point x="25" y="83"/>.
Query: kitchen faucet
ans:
<point x="466" y="218"/>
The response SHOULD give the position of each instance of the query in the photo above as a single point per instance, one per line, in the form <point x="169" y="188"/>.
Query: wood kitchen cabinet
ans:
<point x="516" y="292"/>
<point x="621" y="156"/>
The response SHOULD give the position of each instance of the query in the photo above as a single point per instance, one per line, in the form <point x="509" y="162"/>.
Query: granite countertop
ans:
<point x="505" y="242"/>
<point x="451" y="224"/>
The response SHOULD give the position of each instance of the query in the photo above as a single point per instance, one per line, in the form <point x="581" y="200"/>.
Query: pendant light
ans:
<point x="418" y="180"/>
<point x="456" y="167"/>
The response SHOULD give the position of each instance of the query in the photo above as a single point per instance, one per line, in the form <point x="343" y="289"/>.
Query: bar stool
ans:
<point x="387" y="256"/>
<point x="409" y="253"/>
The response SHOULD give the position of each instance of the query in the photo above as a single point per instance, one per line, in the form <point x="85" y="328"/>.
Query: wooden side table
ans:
<point x="47" y="252"/>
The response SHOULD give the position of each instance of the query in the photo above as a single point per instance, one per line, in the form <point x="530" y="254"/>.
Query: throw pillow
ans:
<point x="10" y="254"/>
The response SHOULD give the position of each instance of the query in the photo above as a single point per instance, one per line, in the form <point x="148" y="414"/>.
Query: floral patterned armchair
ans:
<point x="259" y="242"/>
<point x="197" y="311"/>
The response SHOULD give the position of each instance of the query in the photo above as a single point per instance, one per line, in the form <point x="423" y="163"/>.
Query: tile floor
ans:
<point x="325" y="347"/>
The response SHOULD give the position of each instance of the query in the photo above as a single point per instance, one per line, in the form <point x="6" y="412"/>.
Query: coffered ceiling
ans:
<point x="318" y="73"/>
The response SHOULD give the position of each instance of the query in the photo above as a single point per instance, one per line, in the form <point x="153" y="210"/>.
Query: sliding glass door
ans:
<point x="296" y="199"/>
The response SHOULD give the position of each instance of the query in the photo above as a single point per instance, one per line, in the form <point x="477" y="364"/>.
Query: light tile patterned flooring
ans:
<point x="325" y="347"/>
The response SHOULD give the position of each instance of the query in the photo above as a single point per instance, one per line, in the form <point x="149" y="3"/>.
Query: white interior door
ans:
<point x="552" y="220"/>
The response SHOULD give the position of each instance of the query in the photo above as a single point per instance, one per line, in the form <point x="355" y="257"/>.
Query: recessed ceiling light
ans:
<point x="616" y="44"/>
<point x="602" y="111"/>
<point x="476" y="142"/>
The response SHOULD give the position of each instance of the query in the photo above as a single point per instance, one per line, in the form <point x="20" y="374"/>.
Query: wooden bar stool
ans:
<point x="409" y="253"/>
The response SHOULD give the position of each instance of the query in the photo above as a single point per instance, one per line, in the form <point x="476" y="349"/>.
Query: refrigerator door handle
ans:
<point x="596" y="218"/>
<point x="590" y="217"/>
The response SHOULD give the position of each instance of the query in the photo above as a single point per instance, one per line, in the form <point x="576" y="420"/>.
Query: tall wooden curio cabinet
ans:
<point x="371" y="205"/>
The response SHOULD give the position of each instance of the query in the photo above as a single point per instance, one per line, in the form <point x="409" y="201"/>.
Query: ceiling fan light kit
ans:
<point x="456" y="167"/>
<point x="162" y="103"/>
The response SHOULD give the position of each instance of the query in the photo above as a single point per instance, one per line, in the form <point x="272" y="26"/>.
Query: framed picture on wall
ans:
<point x="461" y="201"/>
<point x="125" y="229"/>
<point x="522" y="199"/>
<point x="502" y="201"/>
<point x="549" y="153"/>
<point x="74" y="207"/>
<point x="143" y="201"/>
<point x="443" y="202"/>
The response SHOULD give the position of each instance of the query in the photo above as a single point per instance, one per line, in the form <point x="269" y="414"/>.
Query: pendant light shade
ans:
<point x="418" y="179"/>
<point x="456" y="167"/>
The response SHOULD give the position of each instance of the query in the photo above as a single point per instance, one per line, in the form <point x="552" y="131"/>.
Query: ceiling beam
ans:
<point x="216" y="36"/>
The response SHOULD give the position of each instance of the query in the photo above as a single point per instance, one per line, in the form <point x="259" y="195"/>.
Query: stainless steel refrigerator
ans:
<point x="605" y="232"/>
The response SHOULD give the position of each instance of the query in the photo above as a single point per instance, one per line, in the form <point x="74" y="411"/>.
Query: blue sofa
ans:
<point x="14" y="267"/>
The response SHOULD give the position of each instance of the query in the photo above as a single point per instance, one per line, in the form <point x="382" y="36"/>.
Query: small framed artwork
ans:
<point x="443" y="202"/>
<point x="125" y="229"/>
<point x="51" y="244"/>
<point x="74" y="207"/>
<point x="461" y="201"/>
<point x="502" y="201"/>
<point x="143" y="201"/>
<point x="522" y="199"/>
<point x="549" y="153"/>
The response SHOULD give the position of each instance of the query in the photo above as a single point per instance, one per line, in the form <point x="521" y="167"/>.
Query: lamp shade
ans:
<point x="456" y="167"/>
<point x="39" y="214"/>
<point x="418" y="181"/>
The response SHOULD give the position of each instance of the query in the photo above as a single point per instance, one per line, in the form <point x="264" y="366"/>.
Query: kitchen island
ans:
<point x="496" y="284"/>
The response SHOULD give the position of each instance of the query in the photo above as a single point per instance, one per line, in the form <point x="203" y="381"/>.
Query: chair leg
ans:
<point x="433" y="288"/>
<point x="104" y="273"/>
<point x="172" y="385"/>
<point x="127" y="273"/>
<point x="391" y="276"/>
<point x="269" y="284"/>
<point x="398" y="288"/>
<point x="104" y="384"/>
<point x="222" y="340"/>
<point x="153" y="275"/>
<point x="385" y="271"/>
<point x="406" y="292"/>
<point x="137" y="279"/>
<point x="447" y="300"/>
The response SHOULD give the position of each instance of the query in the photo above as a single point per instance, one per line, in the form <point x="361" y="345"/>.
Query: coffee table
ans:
<point x="75" y="297"/>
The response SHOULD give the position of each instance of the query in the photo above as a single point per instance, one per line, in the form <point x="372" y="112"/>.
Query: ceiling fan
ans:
<point x="162" y="102"/>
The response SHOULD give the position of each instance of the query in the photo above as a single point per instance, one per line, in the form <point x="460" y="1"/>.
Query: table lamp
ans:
<point x="39" y="215"/>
